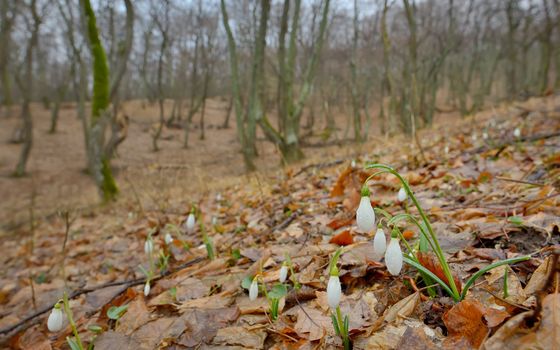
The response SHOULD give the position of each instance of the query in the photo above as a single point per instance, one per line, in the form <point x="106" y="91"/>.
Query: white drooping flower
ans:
<point x="149" y="246"/>
<point x="254" y="290"/>
<point x="56" y="319"/>
<point x="394" y="257"/>
<point x="446" y="149"/>
<point x="334" y="292"/>
<point x="189" y="225"/>
<point x="168" y="238"/>
<point x="147" y="288"/>
<point x="517" y="133"/>
<point x="401" y="196"/>
<point x="365" y="216"/>
<point x="379" y="242"/>
<point x="283" y="273"/>
<point x="485" y="135"/>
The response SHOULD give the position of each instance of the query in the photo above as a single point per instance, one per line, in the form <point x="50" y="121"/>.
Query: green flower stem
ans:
<point x="343" y="327"/>
<point x="68" y="313"/>
<point x="438" y="250"/>
<point x="403" y="216"/>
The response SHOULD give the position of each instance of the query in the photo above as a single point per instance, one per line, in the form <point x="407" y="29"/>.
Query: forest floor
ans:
<point x="488" y="198"/>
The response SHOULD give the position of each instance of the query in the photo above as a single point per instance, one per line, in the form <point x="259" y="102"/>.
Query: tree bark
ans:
<point x="100" y="167"/>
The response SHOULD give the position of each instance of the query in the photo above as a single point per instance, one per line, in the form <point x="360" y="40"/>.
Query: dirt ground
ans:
<point x="57" y="178"/>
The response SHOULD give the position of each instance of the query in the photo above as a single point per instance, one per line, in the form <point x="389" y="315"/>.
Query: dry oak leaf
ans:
<point x="464" y="322"/>
<point x="430" y="262"/>
<point x="403" y="308"/>
<point x="342" y="239"/>
<point x="312" y="323"/>
<point x="253" y="339"/>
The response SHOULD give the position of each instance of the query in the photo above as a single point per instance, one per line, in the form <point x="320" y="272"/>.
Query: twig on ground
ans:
<point x="78" y="292"/>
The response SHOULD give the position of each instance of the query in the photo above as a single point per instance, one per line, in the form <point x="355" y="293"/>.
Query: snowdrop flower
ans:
<point x="147" y="288"/>
<point x="485" y="135"/>
<point x="379" y="242"/>
<point x="149" y="246"/>
<point x="254" y="290"/>
<point x="365" y="216"/>
<point x="283" y="273"/>
<point x="517" y="133"/>
<point x="353" y="164"/>
<point x="190" y="223"/>
<point x="394" y="257"/>
<point x="474" y="137"/>
<point x="446" y="149"/>
<point x="168" y="238"/>
<point x="334" y="291"/>
<point x="56" y="318"/>
<point x="401" y="196"/>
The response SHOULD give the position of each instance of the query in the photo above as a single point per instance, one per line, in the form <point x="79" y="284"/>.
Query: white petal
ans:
<point x="394" y="257"/>
<point x="365" y="216"/>
<point x="147" y="289"/>
<point x="283" y="273"/>
<point x="190" y="223"/>
<point x="254" y="290"/>
<point x="168" y="238"/>
<point x="401" y="196"/>
<point x="55" y="321"/>
<point x="379" y="243"/>
<point x="148" y="246"/>
<point x="334" y="292"/>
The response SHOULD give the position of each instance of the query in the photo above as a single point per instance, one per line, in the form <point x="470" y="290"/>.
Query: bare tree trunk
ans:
<point x="246" y="122"/>
<point x="100" y="167"/>
<point x="390" y="116"/>
<point x="357" y="120"/>
<point x="412" y="70"/>
<point x="27" y="92"/>
<point x="59" y="97"/>
<point x="229" y="108"/>
<point x="546" y="49"/>
<point x="163" y="28"/>
<point x="511" y="68"/>
<point x="8" y="16"/>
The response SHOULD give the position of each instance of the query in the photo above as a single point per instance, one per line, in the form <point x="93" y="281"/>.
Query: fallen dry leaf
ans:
<point x="430" y="262"/>
<point x="464" y="323"/>
<point x="253" y="339"/>
<point x="342" y="239"/>
<point x="403" y="308"/>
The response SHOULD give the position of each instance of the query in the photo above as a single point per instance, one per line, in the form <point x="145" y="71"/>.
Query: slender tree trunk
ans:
<point x="357" y="120"/>
<point x="100" y="167"/>
<point x="229" y="108"/>
<point x="28" y="93"/>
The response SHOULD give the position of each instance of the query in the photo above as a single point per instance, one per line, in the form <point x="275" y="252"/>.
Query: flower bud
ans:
<point x="334" y="292"/>
<point x="517" y="133"/>
<point x="379" y="243"/>
<point x="147" y="288"/>
<point x="365" y="216"/>
<point x="168" y="238"/>
<point x="56" y="319"/>
<point x="191" y="221"/>
<point x="149" y="246"/>
<point x="401" y="196"/>
<point x="254" y="290"/>
<point x="283" y="273"/>
<point x="394" y="257"/>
